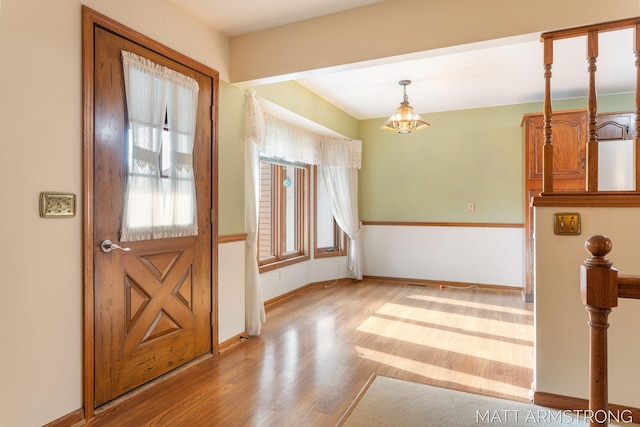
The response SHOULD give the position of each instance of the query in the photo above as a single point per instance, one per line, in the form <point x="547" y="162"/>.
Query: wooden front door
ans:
<point x="152" y="300"/>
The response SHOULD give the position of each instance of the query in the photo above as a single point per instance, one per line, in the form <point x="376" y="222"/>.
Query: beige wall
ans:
<point x="562" y="333"/>
<point x="399" y="27"/>
<point x="40" y="133"/>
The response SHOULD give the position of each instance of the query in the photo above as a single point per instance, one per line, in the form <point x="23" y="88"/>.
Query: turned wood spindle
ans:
<point x="636" y="52"/>
<point x="547" y="149"/>
<point x="592" y="113"/>
<point x="599" y="289"/>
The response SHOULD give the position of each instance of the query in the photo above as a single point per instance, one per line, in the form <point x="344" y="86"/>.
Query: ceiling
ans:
<point x="499" y="72"/>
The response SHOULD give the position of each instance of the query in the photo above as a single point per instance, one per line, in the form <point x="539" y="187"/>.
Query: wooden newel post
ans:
<point x="599" y="289"/>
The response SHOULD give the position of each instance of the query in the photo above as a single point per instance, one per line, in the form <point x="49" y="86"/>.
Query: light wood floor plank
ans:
<point x="319" y="348"/>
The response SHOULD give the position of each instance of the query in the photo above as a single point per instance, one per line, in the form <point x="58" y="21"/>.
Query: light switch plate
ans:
<point x="57" y="205"/>
<point x="566" y="223"/>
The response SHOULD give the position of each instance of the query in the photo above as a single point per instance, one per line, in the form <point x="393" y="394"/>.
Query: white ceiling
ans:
<point x="500" y="72"/>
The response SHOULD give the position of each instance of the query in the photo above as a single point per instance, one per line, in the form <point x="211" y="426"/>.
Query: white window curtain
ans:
<point x="292" y="143"/>
<point x="342" y="188"/>
<point x="154" y="209"/>
<point x="274" y="138"/>
<point x="254" y="139"/>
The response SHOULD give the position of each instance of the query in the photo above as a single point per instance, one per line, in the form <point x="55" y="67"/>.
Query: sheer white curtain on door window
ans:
<point x="182" y="108"/>
<point x="158" y="207"/>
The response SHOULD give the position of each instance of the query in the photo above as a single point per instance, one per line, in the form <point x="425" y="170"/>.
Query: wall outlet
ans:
<point x="471" y="206"/>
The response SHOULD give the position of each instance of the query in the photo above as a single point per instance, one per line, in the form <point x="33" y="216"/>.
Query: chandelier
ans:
<point x="404" y="119"/>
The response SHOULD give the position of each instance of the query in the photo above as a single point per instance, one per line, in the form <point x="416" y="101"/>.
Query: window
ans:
<point x="330" y="240"/>
<point x="282" y="229"/>
<point x="160" y="198"/>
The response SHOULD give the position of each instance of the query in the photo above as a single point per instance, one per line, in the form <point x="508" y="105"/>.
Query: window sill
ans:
<point x="282" y="263"/>
<point x="329" y="254"/>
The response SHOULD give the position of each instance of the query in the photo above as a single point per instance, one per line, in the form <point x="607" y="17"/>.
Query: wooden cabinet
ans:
<point x="569" y="137"/>
<point x="616" y="126"/>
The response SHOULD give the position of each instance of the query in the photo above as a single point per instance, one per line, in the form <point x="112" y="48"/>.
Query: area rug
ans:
<point x="386" y="402"/>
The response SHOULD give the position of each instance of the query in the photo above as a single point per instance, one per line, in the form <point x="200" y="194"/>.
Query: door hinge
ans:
<point x="212" y="319"/>
<point x="213" y="113"/>
<point x="213" y="215"/>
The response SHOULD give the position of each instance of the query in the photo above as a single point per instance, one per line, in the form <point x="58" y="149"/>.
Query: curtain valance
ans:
<point x="279" y="139"/>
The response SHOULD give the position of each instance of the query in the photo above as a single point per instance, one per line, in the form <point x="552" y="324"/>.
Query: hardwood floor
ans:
<point x="319" y="348"/>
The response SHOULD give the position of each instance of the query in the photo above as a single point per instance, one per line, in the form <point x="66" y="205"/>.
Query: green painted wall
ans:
<point x="230" y="160"/>
<point x="428" y="176"/>
<point x="289" y="95"/>
<point x="468" y="155"/>
<point x="302" y="101"/>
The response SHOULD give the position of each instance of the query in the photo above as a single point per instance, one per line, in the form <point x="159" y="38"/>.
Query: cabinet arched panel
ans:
<point x="569" y="139"/>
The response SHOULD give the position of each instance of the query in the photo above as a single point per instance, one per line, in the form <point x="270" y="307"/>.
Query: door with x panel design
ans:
<point x="153" y="306"/>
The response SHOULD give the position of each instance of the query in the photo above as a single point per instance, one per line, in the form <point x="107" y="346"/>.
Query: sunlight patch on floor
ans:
<point x="435" y="373"/>
<point x="468" y="344"/>
<point x="473" y="304"/>
<point x="467" y="322"/>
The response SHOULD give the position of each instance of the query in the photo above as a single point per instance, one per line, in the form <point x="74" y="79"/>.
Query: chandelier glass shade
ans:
<point x="404" y="119"/>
